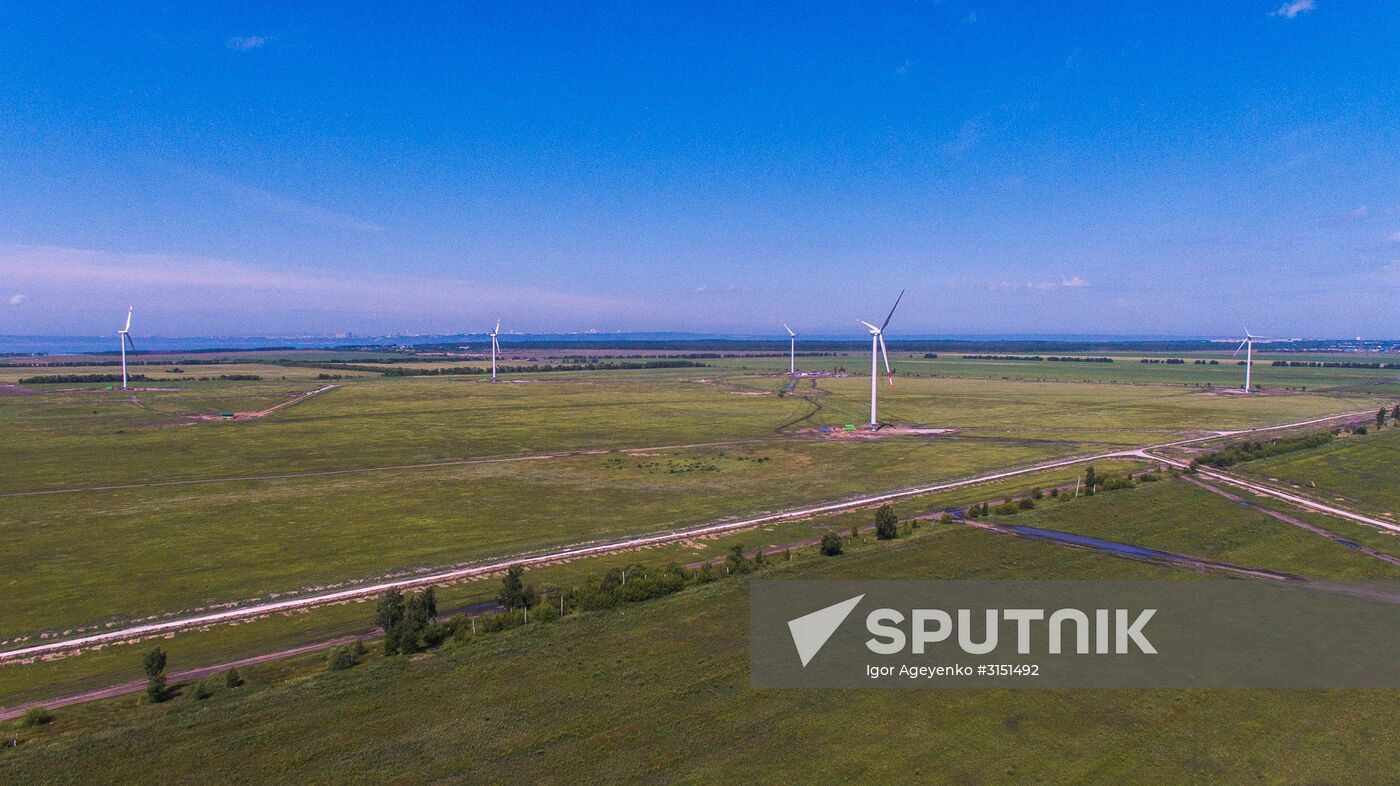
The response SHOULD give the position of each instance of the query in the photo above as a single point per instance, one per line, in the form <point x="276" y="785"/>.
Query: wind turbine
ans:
<point x="877" y="342"/>
<point x="125" y="334"/>
<point x="1248" y="346"/>
<point x="792" y="351"/>
<point x="494" y="347"/>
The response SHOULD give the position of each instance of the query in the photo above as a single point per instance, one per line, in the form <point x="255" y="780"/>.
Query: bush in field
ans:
<point x="34" y="716"/>
<point x="153" y="663"/>
<point x="232" y="679"/>
<point x="201" y="691"/>
<point x="1006" y="509"/>
<point x="341" y="658"/>
<point x="736" y="562"/>
<point x="886" y="523"/>
<point x="831" y="544"/>
<point x="1026" y="504"/>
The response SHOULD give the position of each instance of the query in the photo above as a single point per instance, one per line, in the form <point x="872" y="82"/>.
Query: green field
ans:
<point x="1360" y="471"/>
<point x="76" y="559"/>
<point x="111" y="664"/>
<point x="570" y="701"/>
<point x="1178" y="517"/>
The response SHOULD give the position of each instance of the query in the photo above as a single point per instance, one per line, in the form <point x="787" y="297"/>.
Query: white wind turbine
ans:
<point x="125" y="334"/>
<point x="1248" y="346"/>
<point x="792" y="351"/>
<point x="494" y="347"/>
<point x="877" y="348"/>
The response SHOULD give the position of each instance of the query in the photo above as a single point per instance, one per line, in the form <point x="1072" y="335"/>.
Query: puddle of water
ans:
<point x="1124" y="549"/>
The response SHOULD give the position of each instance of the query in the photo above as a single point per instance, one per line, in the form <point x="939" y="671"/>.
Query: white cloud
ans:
<point x="17" y="298"/>
<point x="1394" y="236"/>
<point x="1073" y="282"/>
<point x="292" y="208"/>
<point x="1294" y="7"/>
<point x="969" y="134"/>
<point x="243" y="43"/>
<point x="203" y="288"/>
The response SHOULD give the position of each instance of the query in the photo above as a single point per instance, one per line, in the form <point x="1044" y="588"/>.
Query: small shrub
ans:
<point x="886" y="523"/>
<point x="201" y="691"/>
<point x="155" y="689"/>
<point x="831" y="544"/>
<point x="232" y="679"/>
<point x="1026" y="504"/>
<point x="34" y="716"/>
<point x="1006" y="509"/>
<point x="946" y="518"/>
<point x="340" y="659"/>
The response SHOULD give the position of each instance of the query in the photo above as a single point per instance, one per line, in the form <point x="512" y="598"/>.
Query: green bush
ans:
<point x="1026" y="504"/>
<point x="1006" y="509"/>
<point x="341" y="658"/>
<point x="201" y="691"/>
<point x="34" y="716"/>
<point x="831" y="544"/>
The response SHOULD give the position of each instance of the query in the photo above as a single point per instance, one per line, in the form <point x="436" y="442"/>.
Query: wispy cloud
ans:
<point x="76" y="278"/>
<point x="292" y="208"/>
<point x="969" y="134"/>
<point x="971" y="18"/>
<point x="243" y="43"/>
<point x="17" y="298"/>
<point x="1291" y="9"/>
<point x="1394" y="236"/>
<point x="1072" y="282"/>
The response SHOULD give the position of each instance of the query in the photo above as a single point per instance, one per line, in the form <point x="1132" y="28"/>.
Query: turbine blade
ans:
<point x="873" y="329"/>
<point x="789" y="330"/>
<point x="127" y="336"/>
<point x="888" y="372"/>
<point x="128" y="318"/>
<point x="1237" y="349"/>
<point x="892" y="308"/>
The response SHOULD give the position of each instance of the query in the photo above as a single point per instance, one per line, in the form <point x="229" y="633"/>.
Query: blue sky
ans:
<point x="1151" y="168"/>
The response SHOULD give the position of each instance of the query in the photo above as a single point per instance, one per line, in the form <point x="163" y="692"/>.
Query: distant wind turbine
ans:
<point x="792" y="350"/>
<point x="125" y="334"/>
<point x="1248" y="346"/>
<point x="877" y="348"/>
<point x="494" y="347"/>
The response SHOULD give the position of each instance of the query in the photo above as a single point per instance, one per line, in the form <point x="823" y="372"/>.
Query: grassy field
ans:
<point x="1177" y="516"/>
<point x="185" y="547"/>
<point x="1126" y="369"/>
<point x="189" y="649"/>
<point x="76" y="559"/>
<point x="569" y="701"/>
<point x="1360" y="471"/>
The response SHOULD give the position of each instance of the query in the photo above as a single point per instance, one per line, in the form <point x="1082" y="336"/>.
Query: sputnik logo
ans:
<point x="810" y="632"/>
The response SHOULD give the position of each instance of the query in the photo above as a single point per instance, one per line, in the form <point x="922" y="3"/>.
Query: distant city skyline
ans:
<point x="1141" y="169"/>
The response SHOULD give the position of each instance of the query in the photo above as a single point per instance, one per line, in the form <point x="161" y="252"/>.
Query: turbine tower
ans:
<point x="125" y="338"/>
<point x="792" y="351"/>
<point x="494" y="347"/>
<point x="877" y="349"/>
<point x="1248" y="346"/>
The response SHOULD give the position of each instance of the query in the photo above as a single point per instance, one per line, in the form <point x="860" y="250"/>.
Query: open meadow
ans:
<point x="566" y="702"/>
<point x="121" y="507"/>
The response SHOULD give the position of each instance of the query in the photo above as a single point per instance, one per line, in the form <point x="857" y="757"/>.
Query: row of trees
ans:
<point x="153" y="663"/>
<point x="1249" y="451"/>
